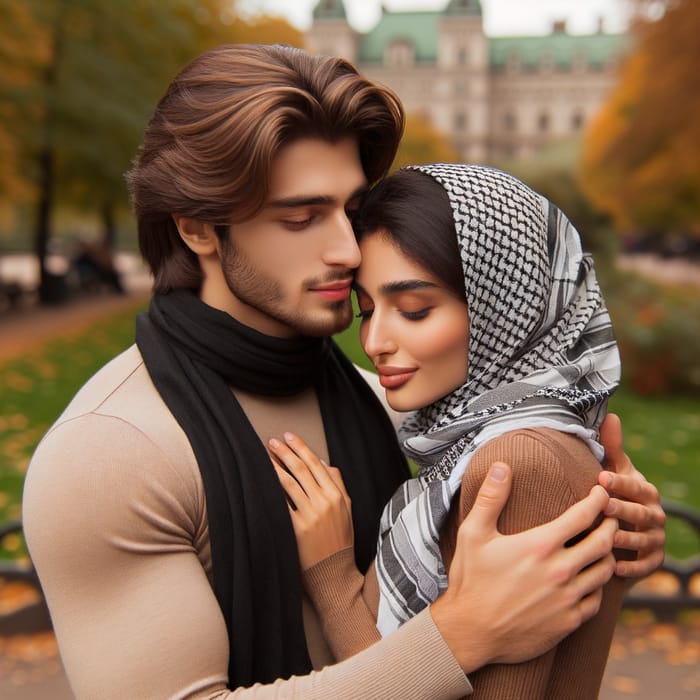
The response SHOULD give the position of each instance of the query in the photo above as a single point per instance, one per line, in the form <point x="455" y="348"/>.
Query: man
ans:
<point x="152" y="511"/>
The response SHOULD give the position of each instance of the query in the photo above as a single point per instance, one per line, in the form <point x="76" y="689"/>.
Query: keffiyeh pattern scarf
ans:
<point x="542" y="353"/>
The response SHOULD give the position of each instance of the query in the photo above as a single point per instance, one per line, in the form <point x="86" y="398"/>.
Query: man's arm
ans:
<point x="115" y="531"/>
<point x="135" y="614"/>
<point x="516" y="596"/>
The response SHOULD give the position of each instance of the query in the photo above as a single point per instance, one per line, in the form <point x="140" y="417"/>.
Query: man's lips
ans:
<point x="394" y="377"/>
<point x="334" y="291"/>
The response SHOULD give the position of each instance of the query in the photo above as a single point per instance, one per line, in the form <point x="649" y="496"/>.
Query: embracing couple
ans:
<point x="191" y="537"/>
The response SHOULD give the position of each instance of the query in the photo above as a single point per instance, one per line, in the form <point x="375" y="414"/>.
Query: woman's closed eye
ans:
<point x="416" y="315"/>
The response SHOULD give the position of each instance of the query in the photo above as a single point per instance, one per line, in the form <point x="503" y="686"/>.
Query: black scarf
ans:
<point x="194" y="355"/>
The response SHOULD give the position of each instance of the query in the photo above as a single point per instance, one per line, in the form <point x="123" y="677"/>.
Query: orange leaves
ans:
<point x="640" y="163"/>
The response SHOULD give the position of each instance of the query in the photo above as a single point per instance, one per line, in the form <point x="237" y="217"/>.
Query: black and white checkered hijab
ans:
<point x="541" y="354"/>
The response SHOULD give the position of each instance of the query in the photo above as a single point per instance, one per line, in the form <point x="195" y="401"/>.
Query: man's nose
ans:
<point x="341" y="245"/>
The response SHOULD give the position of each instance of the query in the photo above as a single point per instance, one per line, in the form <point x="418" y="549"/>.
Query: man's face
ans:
<point x="290" y="267"/>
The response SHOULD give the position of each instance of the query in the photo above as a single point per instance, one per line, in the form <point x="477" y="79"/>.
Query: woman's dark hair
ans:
<point x="413" y="211"/>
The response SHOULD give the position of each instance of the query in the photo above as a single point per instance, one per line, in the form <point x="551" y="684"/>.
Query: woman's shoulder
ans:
<point x="537" y="455"/>
<point x="536" y="442"/>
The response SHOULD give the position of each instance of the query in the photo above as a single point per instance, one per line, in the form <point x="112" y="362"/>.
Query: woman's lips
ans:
<point x="394" y="377"/>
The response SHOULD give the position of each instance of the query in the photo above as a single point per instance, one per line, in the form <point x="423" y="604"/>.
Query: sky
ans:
<point x="501" y="17"/>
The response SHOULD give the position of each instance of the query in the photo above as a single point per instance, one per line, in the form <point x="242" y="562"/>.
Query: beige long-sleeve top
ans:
<point x="115" y="519"/>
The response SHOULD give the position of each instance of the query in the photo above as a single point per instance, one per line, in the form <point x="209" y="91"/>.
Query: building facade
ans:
<point x="493" y="97"/>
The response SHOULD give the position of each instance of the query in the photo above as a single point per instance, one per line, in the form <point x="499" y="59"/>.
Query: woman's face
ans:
<point x="415" y="332"/>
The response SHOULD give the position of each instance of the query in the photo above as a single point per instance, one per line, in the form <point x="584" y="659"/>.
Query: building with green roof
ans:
<point x="494" y="97"/>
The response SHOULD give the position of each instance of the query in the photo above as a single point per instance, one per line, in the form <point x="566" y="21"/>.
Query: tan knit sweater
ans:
<point x="115" y="519"/>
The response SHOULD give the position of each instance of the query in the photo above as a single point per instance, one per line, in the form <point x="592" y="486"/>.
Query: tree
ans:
<point x="82" y="78"/>
<point x="640" y="159"/>
<point x="76" y="101"/>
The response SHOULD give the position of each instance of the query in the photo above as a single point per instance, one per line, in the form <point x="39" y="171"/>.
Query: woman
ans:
<point x="484" y="319"/>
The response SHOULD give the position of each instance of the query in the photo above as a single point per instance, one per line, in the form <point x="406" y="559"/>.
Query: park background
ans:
<point x="78" y="81"/>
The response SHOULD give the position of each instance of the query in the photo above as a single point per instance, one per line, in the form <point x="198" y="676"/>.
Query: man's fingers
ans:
<point x="492" y="497"/>
<point x="641" y="517"/>
<point x="579" y="517"/>
<point x="639" y="568"/>
<point x="611" y="440"/>
<point x="597" y="544"/>
<point x="590" y="582"/>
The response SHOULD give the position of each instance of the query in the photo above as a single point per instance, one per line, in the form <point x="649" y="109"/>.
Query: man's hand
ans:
<point x="511" y="598"/>
<point x="635" y="501"/>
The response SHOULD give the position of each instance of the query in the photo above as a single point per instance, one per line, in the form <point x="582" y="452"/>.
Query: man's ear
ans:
<point x="199" y="237"/>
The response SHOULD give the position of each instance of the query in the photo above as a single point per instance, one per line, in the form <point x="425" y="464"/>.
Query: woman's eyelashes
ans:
<point x="418" y="315"/>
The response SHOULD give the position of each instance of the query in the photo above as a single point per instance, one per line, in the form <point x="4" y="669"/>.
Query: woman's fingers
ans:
<point x="315" y="483"/>
<point x="337" y="479"/>
<point x="301" y="461"/>
<point x="295" y="494"/>
<point x="320" y="507"/>
<point x="300" y="470"/>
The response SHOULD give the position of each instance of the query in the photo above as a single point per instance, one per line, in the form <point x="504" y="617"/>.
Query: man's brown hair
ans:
<point x="207" y="150"/>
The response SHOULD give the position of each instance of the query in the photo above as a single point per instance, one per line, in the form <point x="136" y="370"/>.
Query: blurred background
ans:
<point x="594" y="103"/>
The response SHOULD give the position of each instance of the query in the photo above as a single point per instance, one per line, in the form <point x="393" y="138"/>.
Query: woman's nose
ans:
<point x="375" y="337"/>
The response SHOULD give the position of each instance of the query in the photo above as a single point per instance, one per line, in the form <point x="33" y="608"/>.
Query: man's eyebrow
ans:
<point x="399" y="286"/>
<point x="310" y="200"/>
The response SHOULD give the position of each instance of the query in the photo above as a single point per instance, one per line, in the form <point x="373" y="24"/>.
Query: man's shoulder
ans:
<point x="118" y="422"/>
<point x="125" y="374"/>
<point x="120" y="400"/>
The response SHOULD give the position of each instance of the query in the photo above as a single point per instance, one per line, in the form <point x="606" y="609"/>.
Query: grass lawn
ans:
<point x="662" y="435"/>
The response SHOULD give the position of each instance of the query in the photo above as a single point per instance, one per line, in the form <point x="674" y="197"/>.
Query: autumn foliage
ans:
<point x="640" y="162"/>
<point x="79" y="80"/>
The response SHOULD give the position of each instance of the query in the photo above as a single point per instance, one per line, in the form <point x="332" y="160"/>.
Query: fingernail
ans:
<point x="274" y="442"/>
<point x="323" y="461"/>
<point x="289" y="436"/>
<point x="498" y="472"/>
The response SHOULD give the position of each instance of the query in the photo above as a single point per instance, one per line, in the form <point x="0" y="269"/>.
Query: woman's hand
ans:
<point x="634" y="501"/>
<point x="319" y="505"/>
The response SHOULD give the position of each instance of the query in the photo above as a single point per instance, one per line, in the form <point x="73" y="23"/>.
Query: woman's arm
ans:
<point x="320" y="510"/>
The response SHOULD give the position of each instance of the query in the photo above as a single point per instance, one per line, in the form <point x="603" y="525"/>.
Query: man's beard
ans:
<point x="266" y="296"/>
